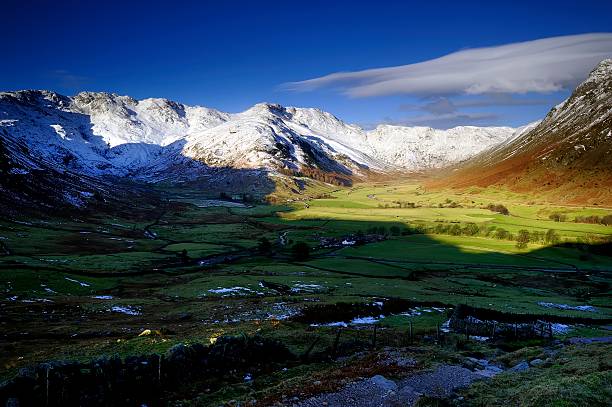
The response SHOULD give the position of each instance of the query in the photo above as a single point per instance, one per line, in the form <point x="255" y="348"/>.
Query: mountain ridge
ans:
<point x="102" y="131"/>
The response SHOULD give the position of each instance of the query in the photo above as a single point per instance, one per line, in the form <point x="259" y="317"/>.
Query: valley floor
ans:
<point x="145" y="277"/>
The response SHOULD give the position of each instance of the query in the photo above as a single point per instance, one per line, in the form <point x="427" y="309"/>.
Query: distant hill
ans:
<point x="566" y="157"/>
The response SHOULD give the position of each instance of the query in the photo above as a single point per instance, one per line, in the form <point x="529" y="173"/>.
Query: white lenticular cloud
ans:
<point x="544" y="65"/>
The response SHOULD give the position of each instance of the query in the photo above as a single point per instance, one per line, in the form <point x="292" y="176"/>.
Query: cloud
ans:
<point x="544" y="65"/>
<point x="443" y="105"/>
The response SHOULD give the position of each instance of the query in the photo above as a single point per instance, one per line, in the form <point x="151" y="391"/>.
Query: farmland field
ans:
<point x="196" y="268"/>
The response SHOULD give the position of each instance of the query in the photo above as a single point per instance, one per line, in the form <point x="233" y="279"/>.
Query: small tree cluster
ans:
<point x="552" y="237"/>
<point x="499" y="208"/>
<point x="404" y="204"/>
<point x="594" y="219"/>
<point x="522" y="239"/>
<point x="558" y="217"/>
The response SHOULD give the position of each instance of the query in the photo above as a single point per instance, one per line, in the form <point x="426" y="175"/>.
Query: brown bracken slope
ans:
<point x="566" y="158"/>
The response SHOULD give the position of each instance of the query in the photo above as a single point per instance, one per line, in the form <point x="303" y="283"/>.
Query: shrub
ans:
<point x="395" y="230"/>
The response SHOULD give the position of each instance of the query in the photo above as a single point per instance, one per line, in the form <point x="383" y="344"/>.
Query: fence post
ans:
<point x="47" y="386"/>
<point x="335" y="348"/>
<point x="550" y="331"/>
<point x="410" y="331"/>
<point x="374" y="337"/>
<point x="159" y="369"/>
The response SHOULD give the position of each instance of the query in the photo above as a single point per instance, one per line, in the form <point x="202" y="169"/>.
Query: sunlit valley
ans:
<point x="160" y="253"/>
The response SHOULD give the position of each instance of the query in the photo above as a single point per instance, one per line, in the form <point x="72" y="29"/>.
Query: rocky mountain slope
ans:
<point x="567" y="156"/>
<point x="157" y="139"/>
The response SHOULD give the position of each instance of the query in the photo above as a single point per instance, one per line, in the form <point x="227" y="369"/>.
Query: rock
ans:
<point x="473" y="363"/>
<point x="383" y="383"/>
<point x="536" y="362"/>
<point x="489" y="371"/>
<point x="519" y="367"/>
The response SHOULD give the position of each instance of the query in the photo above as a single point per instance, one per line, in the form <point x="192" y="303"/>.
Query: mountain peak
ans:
<point x="602" y="72"/>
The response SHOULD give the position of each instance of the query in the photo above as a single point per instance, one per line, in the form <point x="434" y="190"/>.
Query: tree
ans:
<point x="501" y="233"/>
<point x="499" y="208"/>
<point x="455" y="230"/>
<point x="471" y="229"/>
<point x="552" y="237"/>
<point x="522" y="239"/>
<point x="300" y="251"/>
<point x="558" y="217"/>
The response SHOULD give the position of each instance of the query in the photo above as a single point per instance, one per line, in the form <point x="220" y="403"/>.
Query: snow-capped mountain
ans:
<point x="568" y="153"/>
<point x="154" y="139"/>
<point x="416" y="148"/>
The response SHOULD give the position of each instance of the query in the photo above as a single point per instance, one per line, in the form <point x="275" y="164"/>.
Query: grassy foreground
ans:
<point x="194" y="268"/>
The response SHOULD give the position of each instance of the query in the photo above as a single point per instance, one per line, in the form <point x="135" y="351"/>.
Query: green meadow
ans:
<point x="90" y="284"/>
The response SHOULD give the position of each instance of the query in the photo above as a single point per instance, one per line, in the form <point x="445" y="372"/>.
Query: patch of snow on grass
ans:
<point x="82" y="284"/>
<point x="300" y="287"/>
<point x="125" y="310"/>
<point x="586" y="308"/>
<point x="230" y="291"/>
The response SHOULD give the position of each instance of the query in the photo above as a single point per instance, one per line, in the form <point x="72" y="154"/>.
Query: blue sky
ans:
<point x="232" y="54"/>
